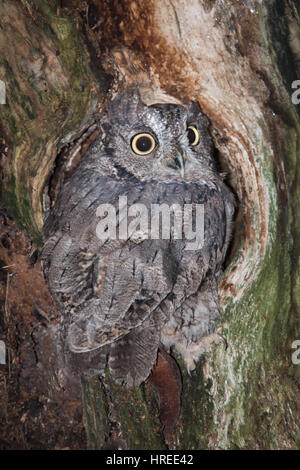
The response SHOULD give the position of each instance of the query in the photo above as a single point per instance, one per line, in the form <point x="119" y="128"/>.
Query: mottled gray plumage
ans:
<point x="121" y="299"/>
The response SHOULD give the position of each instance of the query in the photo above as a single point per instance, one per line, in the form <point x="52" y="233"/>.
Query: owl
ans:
<point x="124" y="288"/>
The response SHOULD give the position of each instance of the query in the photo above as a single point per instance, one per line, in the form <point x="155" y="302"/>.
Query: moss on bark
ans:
<point x="49" y="98"/>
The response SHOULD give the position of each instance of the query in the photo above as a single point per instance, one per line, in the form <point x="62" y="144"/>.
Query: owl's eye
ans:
<point x="143" y="144"/>
<point x="193" y="135"/>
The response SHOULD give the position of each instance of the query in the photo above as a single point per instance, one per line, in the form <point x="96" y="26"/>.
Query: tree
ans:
<point x="60" y="63"/>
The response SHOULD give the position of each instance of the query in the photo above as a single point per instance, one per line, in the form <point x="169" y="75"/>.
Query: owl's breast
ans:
<point x="179" y="211"/>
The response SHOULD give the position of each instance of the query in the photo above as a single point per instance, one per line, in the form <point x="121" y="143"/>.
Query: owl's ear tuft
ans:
<point x="125" y="106"/>
<point x="196" y="115"/>
<point x="195" y="112"/>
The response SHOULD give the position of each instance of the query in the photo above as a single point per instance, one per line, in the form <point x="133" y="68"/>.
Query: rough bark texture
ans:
<point x="238" y="59"/>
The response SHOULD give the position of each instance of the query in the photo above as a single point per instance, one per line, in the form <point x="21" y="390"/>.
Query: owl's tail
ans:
<point x="133" y="356"/>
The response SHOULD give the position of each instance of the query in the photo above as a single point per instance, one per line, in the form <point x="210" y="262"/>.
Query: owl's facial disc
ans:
<point x="160" y="141"/>
<point x="165" y="154"/>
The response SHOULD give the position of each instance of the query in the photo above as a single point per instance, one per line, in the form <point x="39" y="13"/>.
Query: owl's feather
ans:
<point x="125" y="297"/>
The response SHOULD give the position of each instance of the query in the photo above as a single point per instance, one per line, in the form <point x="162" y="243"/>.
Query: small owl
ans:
<point x="124" y="287"/>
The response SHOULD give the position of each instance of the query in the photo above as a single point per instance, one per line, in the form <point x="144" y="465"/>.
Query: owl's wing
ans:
<point x="127" y="287"/>
<point x="71" y="244"/>
<point x="130" y="301"/>
<point x="106" y="288"/>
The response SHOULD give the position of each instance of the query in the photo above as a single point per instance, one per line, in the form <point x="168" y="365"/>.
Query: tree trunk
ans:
<point x="239" y="59"/>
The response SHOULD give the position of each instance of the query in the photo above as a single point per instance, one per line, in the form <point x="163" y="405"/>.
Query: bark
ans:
<point x="238" y="59"/>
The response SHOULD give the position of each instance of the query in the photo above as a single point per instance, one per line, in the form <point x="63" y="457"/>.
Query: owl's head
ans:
<point x="159" y="141"/>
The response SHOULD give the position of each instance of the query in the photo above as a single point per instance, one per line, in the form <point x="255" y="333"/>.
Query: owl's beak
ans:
<point x="180" y="160"/>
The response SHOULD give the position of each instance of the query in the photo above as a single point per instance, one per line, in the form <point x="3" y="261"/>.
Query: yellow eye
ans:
<point x="193" y="135"/>
<point x="143" y="144"/>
